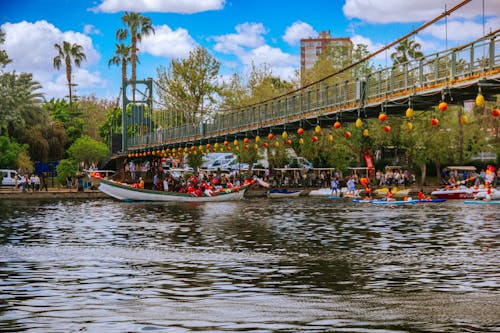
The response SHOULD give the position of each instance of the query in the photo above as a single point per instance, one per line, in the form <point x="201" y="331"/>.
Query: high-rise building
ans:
<point x="312" y="48"/>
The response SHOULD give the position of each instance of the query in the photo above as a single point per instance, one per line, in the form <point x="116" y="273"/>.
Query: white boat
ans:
<point x="482" y="195"/>
<point x="458" y="193"/>
<point x="323" y="192"/>
<point x="275" y="193"/>
<point x="128" y="193"/>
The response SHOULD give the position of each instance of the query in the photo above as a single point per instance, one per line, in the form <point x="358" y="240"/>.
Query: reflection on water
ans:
<point x="308" y="265"/>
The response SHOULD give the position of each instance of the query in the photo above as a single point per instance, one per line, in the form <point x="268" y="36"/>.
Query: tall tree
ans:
<point x="138" y="26"/>
<point x="192" y="82"/>
<point x="4" y="58"/>
<point x="68" y="53"/>
<point x="122" y="57"/>
<point x="406" y="50"/>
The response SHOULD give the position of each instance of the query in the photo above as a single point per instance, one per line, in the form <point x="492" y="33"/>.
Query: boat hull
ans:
<point x="128" y="193"/>
<point x="454" y="194"/>
<point x="274" y="194"/>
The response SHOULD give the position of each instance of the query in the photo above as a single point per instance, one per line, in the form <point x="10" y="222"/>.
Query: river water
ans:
<point x="259" y="265"/>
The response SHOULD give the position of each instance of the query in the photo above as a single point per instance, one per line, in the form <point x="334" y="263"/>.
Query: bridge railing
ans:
<point x="342" y="94"/>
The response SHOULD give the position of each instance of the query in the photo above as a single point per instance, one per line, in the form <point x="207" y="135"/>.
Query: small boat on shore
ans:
<point x="283" y="193"/>
<point x="125" y="192"/>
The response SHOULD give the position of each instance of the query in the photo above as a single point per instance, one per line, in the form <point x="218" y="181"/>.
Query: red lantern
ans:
<point x="245" y="146"/>
<point x="337" y="124"/>
<point x="314" y="138"/>
<point x="495" y="112"/>
<point x="387" y="128"/>
<point x="270" y="136"/>
<point x="434" y="122"/>
<point x="300" y="131"/>
<point x="347" y="134"/>
<point x="288" y="142"/>
<point x="443" y="106"/>
<point x="226" y="143"/>
<point x="382" y="117"/>
<point x="246" y="140"/>
<point x="265" y="144"/>
<point x="209" y="145"/>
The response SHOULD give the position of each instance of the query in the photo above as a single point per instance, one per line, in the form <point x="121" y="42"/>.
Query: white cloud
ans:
<point x="269" y="55"/>
<point x="90" y="29"/>
<point x="297" y="31"/>
<point x="31" y="48"/>
<point x="249" y="35"/>
<point x="462" y="30"/>
<point x="391" y="11"/>
<point x="160" y="6"/>
<point x="168" y="43"/>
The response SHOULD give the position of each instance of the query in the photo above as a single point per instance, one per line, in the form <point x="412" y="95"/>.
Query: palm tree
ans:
<point x="67" y="53"/>
<point x="406" y="50"/>
<point x="138" y="26"/>
<point x="122" y="56"/>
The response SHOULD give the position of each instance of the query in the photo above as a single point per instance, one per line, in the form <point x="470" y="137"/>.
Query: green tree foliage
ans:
<point x="111" y="125"/>
<point x="71" y="121"/>
<point x="67" y="54"/>
<point x="9" y="151"/>
<point x="189" y="85"/>
<point x="85" y="149"/>
<point x="122" y="57"/>
<point x="195" y="160"/>
<point x="137" y="27"/>
<point x="93" y="112"/>
<point x="66" y="167"/>
<point x="406" y="50"/>
<point x="4" y="58"/>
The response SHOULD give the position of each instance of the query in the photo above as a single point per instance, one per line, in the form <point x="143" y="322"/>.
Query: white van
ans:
<point x="8" y="177"/>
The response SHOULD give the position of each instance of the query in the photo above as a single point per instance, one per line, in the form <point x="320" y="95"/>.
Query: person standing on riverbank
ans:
<point x="69" y="181"/>
<point x="43" y="180"/>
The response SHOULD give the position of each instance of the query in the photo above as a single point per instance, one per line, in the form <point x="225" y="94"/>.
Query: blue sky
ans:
<point x="236" y="32"/>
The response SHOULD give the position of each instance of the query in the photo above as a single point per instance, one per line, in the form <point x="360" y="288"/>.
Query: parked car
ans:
<point x="8" y="177"/>
<point x="299" y="162"/>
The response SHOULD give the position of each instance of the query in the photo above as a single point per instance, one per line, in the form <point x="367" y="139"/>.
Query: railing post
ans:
<point x="308" y="100"/>
<point x="326" y="96"/>
<point x="471" y="60"/>
<point x="391" y="82"/>
<point x="453" y="65"/>
<point x="492" y="54"/>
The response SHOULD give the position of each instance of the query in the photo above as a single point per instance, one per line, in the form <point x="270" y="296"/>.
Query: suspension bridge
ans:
<point x="453" y="75"/>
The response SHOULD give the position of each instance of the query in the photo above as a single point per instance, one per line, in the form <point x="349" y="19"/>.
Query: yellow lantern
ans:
<point x="317" y="129"/>
<point x="409" y="126"/>
<point x="359" y="123"/>
<point x="330" y="138"/>
<point x="284" y="135"/>
<point x="464" y="119"/>
<point x="257" y="139"/>
<point x="255" y="146"/>
<point x="216" y="145"/>
<point x="409" y="113"/>
<point x="480" y="100"/>
<point x="276" y="144"/>
<point x="366" y="132"/>
<point x="301" y="141"/>
<point x="235" y="142"/>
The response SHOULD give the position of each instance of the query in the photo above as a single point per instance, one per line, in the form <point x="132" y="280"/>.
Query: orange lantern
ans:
<point x="443" y="106"/>
<point x="300" y="131"/>
<point x="228" y="148"/>
<point x="288" y="142"/>
<point x="495" y="112"/>
<point x="434" y="122"/>
<point x="387" y="128"/>
<point x="270" y="136"/>
<point x="347" y="134"/>
<point x="314" y="138"/>
<point x="337" y="124"/>
<point x="382" y="117"/>
<point x="209" y="145"/>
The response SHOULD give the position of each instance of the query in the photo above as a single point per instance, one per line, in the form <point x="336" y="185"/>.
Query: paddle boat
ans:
<point x="397" y="193"/>
<point x="283" y="193"/>
<point x="127" y="192"/>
